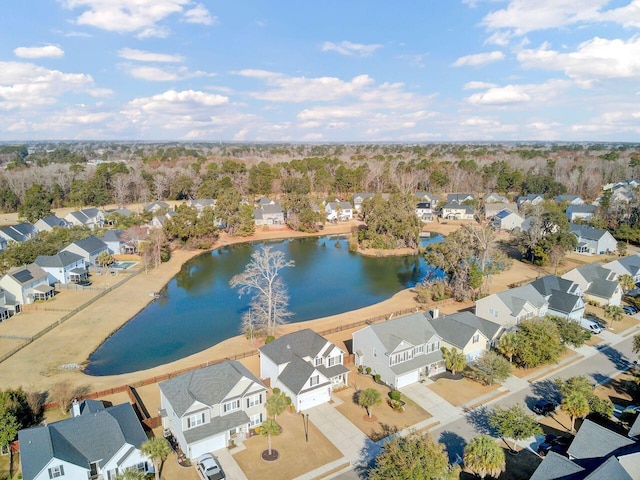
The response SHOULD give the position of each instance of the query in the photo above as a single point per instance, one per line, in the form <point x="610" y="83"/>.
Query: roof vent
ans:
<point x="288" y="347"/>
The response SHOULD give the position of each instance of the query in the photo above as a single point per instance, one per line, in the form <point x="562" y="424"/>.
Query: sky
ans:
<point x="323" y="71"/>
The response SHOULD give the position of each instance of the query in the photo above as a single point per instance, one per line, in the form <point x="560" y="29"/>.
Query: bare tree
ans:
<point x="261" y="278"/>
<point x="160" y="185"/>
<point x="63" y="393"/>
<point x="120" y="185"/>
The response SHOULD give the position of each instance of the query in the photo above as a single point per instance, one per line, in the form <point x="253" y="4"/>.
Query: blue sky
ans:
<point x="331" y="71"/>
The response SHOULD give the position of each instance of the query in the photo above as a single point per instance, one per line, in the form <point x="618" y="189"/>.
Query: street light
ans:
<point x="305" y="422"/>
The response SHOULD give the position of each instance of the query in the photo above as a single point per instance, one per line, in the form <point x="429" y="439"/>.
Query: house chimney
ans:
<point x="75" y="408"/>
<point x="435" y="313"/>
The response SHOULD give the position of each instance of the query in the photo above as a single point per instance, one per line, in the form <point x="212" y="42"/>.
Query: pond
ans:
<point x="198" y="309"/>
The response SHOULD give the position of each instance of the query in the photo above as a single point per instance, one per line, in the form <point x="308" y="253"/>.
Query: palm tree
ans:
<point x="576" y="405"/>
<point x="276" y="403"/>
<point x="508" y="345"/>
<point x="483" y="456"/>
<point x="613" y="313"/>
<point x="269" y="428"/>
<point x="369" y="398"/>
<point x="454" y="359"/>
<point x="626" y="282"/>
<point x="157" y="449"/>
<point x="131" y="474"/>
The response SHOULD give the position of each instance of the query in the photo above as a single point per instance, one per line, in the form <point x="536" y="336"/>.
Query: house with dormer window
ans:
<point x="207" y="408"/>
<point x="305" y="366"/>
<point x="510" y="307"/>
<point x="597" y="283"/>
<point x="400" y="350"/>
<point x="564" y="297"/>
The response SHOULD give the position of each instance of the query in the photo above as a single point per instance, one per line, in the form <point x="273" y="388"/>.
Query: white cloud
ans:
<point x="24" y="85"/>
<point x="142" y="56"/>
<point x="313" y="137"/>
<point x="479" y="59"/>
<point x="519" y="94"/>
<point x="351" y="49"/>
<point x="594" y="59"/>
<point x="241" y="135"/>
<point x="135" y="16"/>
<point x="415" y="60"/>
<point x="255" y="73"/>
<point x="501" y="38"/>
<point x="155" y="74"/>
<point x="200" y="14"/>
<point x="478" y="85"/>
<point x="48" y="51"/>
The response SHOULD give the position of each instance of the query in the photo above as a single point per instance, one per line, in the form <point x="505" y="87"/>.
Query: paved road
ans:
<point x="598" y="365"/>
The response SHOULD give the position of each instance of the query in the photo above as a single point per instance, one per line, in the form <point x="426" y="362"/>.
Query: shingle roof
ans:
<point x="609" y="470"/>
<point x="296" y="374"/>
<point x="515" y="298"/>
<point x="458" y="197"/>
<point x="602" y="288"/>
<point x="414" y="328"/>
<point x="209" y="385"/>
<point x="112" y="236"/>
<point x="27" y="273"/>
<point x="156" y="205"/>
<point x="563" y="302"/>
<point x="272" y="208"/>
<point x="594" y="441"/>
<point x="459" y="328"/>
<point x="53" y="221"/>
<point x="555" y="467"/>
<point x="634" y="431"/>
<point x="594" y="271"/>
<point x="547" y="284"/>
<point x="304" y="343"/>
<point x="90" y="244"/>
<point x="221" y="424"/>
<point x="582" y="208"/>
<point x="80" y="440"/>
<point x="589" y="233"/>
<point x="60" y="260"/>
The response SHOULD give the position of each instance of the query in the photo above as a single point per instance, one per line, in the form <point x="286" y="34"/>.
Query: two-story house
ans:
<point x="597" y="283"/>
<point x="564" y="297"/>
<point x="629" y="265"/>
<point x="510" y="307"/>
<point x="492" y="209"/>
<point x="358" y="200"/>
<point x="97" y="443"/>
<point x="88" y="248"/>
<point x="18" y="233"/>
<point x="593" y="240"/>
<point x="24" y="285"/>
<point x="424" y="212"/>
<point x="5" y="313"/>
<point x="581" y="212"/>
<point x="88" y="217"/>
<point x="206" y="408"/>
<point x="269" y="214"/>
<point x="305" y="366"/>
<point x="507" y="220"/>
<point x="400" y="350"/>
<point x="457" y="211"/>
<point x="530" y="199"/>
<point x="342" y="211"/>
<point x="64" y="267"/>
<point x="48" y="223"/>
<point x="427" y="197"/>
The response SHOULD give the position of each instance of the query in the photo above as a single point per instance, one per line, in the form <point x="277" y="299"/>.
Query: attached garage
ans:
<point x="474" y="355"/>
<point x="313" y="399"/>
<point x="407" y="379"/>
<point x="207" y="446"/>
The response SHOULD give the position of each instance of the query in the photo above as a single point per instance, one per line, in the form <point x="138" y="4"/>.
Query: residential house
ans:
<point x="88" y="248"/>
<point x="156" y="207"/>
<point x="593" y="240"/>
<point x="118" y="243"/>
<point x="495" y="198"/>
<point x="18" y="233"/>
<point x="530" y="199"/>
<point x="3" y="243"/>
<point x="459" y="197"/>
<point x="24" y="285"/>
<point x="456" y="211"/>
<point x="581" y="212"/>
<point x="201" y="203"/>
<point x="159" y="220"/>
<point x="305" y="366"/>
<point x="595" y="453"/>
<point x="207" y="408"/>
<point x="400" y="350"/>
<point x="342" y="211"/>
<point x="508" y="220"/>
<point x="492" y="209"/>
<point x="112" y="216"/>
<point x="64" y="267"/>
<point x="96" y="443"/>
<point x="427" y="197"/>
<point x="264" y="201"/>
<point x="358" y="200"/>
<point x="570" y="200"/>
<point x="269" y="214"/>
<point x="597" y="283"/>
<point x="48" y="223"/>
<point x="510" y="307"/>
<point x="466" y="332"/>
<point x="88" y="217"/>
<point x="629" y="265"/>
<point x="563" y="296"/>
<point x="424" y="212"/>
<point x="5" y="313"/>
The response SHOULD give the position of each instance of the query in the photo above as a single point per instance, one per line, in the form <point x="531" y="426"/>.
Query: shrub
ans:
<point x="395" y="395"/>
<point x="276" y="391"/>
<point x="360" y="369"/>
<point x="269" y="339"/>
<point x="376" y="377"/>
<point x="490" y="368"/>
<point x="368" y="370"/>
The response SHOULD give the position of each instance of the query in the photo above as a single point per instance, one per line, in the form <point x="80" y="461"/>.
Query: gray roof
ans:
<point x="515" y="298"/>
<point x="272" y="208"/>
<point x="209" y="385"/>
<point x="80" y="440"/>
<point x="458" y="197"/>
<point x="414" y="328"/>
<point x="609" y="470"/>
<point x="361" y="196"/>
<point x="589" y="233"/>
<point x="296" y="374"/>
<point x="86" y="215"/>
<point x="90" y="244"/>
<point x="631" y="263"/>
<point x="555" y="467"/>
<point x="566" y="198"/>
<point x="304" y="343"/>
<point x="53" y="221"/>
<point x="27" y="273"/>
<point x="582" y="208"/>
<point x="595" y="271"/>
<point x="218" y="425"/>
<point x="594" y="441"/>
<point x="19" y="232"/>
<point x="563" y="302"/>
<point x="417" y="363"/>
<point x="60" y="260"/>
<point x="112" y="236"/>
<point x="549" y="283"/>
<point x="459" y="328"/>
<point x="602" y="288"/>
<point x="125" y="212"/>
<point x="156" y="205"/>
<point x="634" y="431"/>
<point x="458" y="206"/>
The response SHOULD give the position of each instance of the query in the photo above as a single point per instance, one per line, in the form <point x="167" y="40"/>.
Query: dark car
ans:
<point x="544" y="407"/>
<point x="554" y="443"/>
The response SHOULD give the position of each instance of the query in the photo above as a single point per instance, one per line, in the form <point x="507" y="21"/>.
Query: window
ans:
<point x="195" y="420"/>
<point x="375" y="352"/>
<point x="231" y="406"/>
<point x="476" y="338"/>
<point x="401" y="357"/>
<point x="55" y="472"/>
<point x="315" y="380"/>
<point x="418" y="350"/>
<point x="256" y="420"/>
<point x="318" y="361"/>
<point x="334" y="361"/>
<point x="253" y="401"/>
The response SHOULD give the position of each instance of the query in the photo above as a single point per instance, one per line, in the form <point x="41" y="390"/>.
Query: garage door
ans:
<point x="472" y="356"/>
<point x="312" y="400"/>
<point x="208" y="446"/>
<point x="407" y="379"/>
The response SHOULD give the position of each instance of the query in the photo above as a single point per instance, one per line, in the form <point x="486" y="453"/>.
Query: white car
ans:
<point x="208" y="468"/>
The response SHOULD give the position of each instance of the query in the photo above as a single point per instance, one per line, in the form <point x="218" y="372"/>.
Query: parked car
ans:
<point x="554" y="443"/>
<point x="208" y="468"/>
<point x="630" y="309"/>
<point x="591" y="325"/>
<point x="544" y="407"/>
